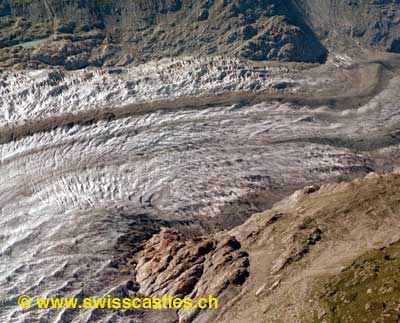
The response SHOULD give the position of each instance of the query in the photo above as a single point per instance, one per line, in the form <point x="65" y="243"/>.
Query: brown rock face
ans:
<point x="169" y="264"/>
<point x="300" y="30"/>
<point x="142" y="30"/>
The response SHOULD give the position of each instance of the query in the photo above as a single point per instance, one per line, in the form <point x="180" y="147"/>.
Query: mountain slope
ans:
<point x="298" y="249"/>
<point x="354" y="23"/>
<point x="93" y="32"/>
<point x="77" y="34"/>
<point x="324" y="254"/>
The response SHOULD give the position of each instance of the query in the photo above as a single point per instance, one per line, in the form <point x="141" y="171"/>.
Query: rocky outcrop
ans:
<point x="170" y="264"/>
<point x="286" y="264"/>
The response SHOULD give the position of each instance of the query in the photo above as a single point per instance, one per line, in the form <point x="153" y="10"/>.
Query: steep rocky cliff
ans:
<point x="349" y="23"/>
<point x="78" y="34"/>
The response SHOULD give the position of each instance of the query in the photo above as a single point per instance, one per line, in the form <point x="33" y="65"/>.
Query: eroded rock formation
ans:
<point x="169" y="264"/>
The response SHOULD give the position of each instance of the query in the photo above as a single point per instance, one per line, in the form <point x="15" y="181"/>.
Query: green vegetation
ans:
<point x="366" y="291"/>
